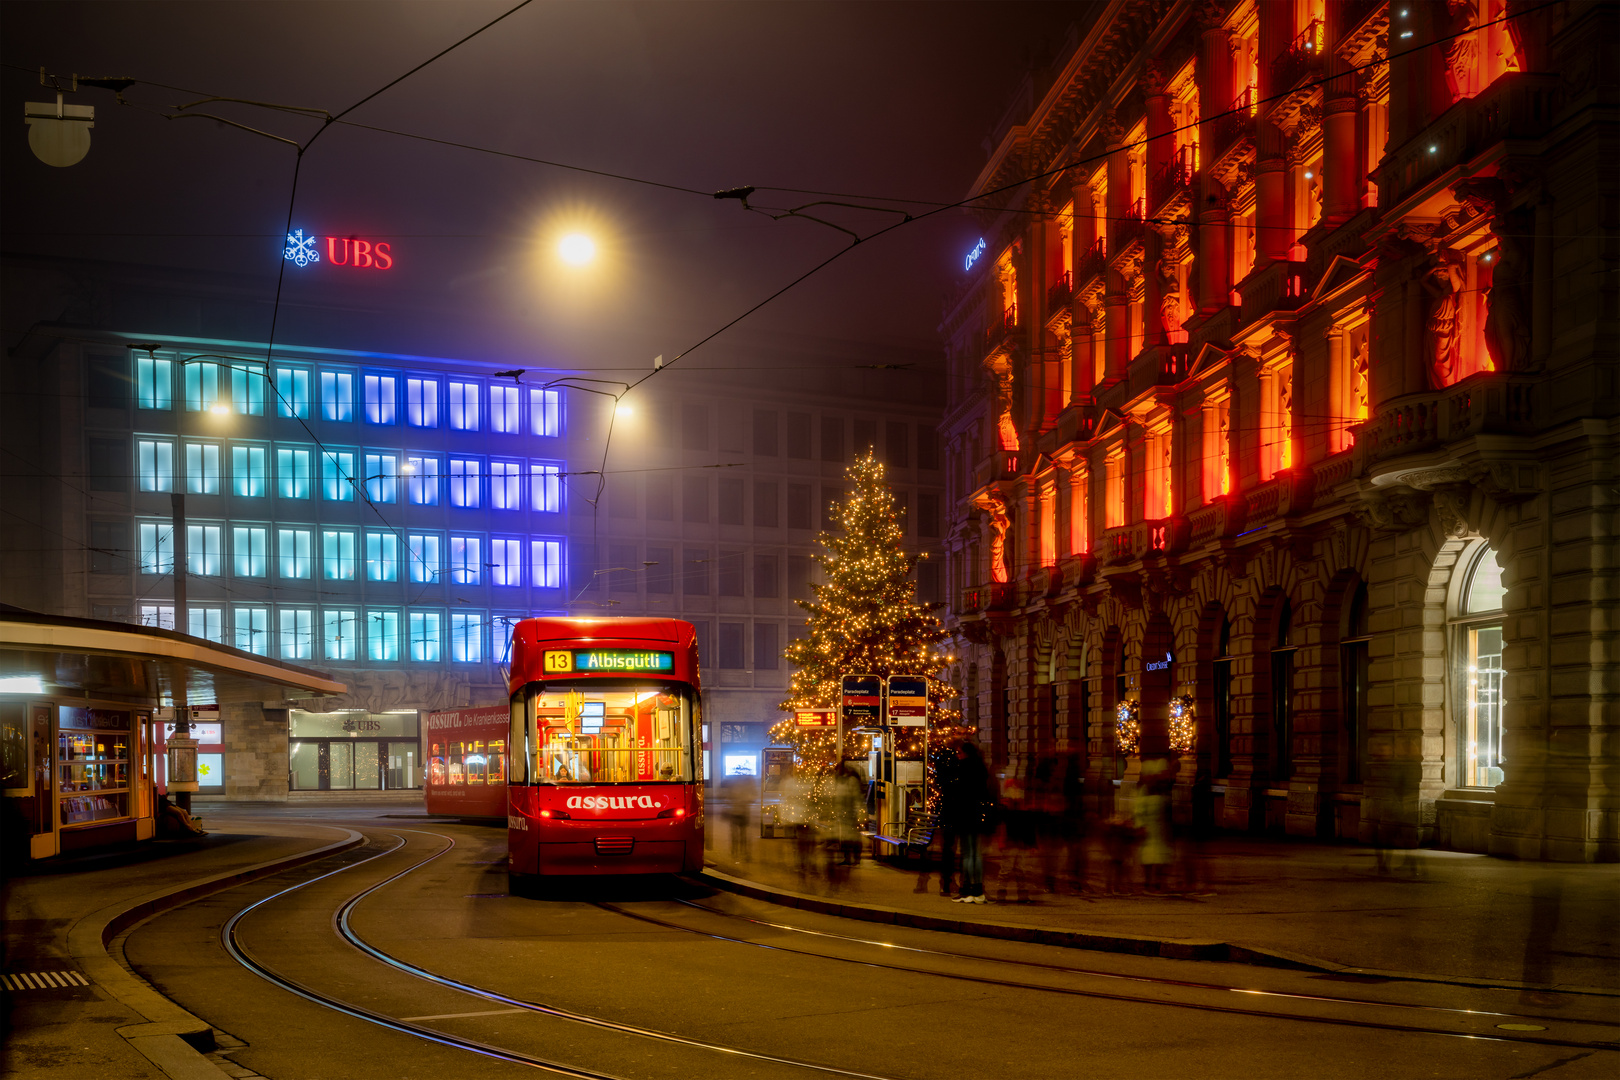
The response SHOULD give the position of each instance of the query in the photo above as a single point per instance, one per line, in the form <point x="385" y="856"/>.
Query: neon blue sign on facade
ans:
<point x="972" y="256"/>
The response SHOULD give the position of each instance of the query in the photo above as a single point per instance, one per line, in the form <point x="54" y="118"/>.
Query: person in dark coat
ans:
<point x="964" y="810"/>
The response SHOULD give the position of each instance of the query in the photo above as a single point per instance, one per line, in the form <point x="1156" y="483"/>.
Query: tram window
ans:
<point x="495" y="761"/>
<point x="619" y="736"/>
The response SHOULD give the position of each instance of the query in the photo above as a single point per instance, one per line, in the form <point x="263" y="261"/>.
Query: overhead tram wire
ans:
<point x="857" y="239"/>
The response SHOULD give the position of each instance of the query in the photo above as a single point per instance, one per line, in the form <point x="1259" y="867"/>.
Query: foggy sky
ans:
<point x="873" y="98"/>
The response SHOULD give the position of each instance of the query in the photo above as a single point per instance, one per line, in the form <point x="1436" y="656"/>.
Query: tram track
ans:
<point x="341" y="915"/>
<point x="1265" y="1014"/>
<point x="341" y="920"/>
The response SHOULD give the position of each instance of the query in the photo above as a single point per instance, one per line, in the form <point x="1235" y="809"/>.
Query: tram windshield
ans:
<point x="591" y="734"/>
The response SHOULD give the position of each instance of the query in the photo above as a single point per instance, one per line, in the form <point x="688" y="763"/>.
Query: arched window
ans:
<point x="1476" y="668"/>
<point x="1353" y="654"/>
<point x="1223" y="699"/>
<point x="1282" y="696"/>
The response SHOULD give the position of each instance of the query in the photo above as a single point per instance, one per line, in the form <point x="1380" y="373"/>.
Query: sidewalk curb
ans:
<point x="1167" y="948"/>
<point x="172" y="1039"/>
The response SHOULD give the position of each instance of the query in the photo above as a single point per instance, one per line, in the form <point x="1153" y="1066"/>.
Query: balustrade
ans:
<point x="1061" y="292"/>
<point x="1302" y="58"/>
<point x="998" y="331"/>
<point x="1489" y="402"/>
<point x="1174" y="176"/>
<point x="1237" y="121"/>
<point x="1092" y="263"/>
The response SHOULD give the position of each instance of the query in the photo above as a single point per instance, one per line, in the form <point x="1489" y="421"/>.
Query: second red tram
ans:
<point x="605" y="774"/>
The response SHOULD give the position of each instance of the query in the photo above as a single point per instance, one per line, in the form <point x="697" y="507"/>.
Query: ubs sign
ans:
<point x="303" y="250"/>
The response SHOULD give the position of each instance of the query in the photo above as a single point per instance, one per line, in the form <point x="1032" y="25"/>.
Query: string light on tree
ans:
<point x="1183" y="732"/>
<point x="1128" y="726"/>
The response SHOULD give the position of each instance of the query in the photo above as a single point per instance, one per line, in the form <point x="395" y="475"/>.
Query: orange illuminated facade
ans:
<point x="1263" y="379"/>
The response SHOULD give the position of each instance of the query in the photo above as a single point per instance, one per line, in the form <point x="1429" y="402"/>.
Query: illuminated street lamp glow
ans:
<point x="577" y="249"/>
<point x="220" y="410"/>
<point x="624" y="412"/>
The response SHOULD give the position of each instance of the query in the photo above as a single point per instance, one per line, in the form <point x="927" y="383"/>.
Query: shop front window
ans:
<point x="1477" y="670"/>
<point x="93" y="755"/>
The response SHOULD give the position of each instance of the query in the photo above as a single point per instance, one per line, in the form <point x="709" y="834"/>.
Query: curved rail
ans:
<point x="341" y="921"/>
<point x="229" y="937"/>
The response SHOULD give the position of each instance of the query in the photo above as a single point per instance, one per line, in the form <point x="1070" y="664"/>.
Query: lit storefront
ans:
<point x="83" y="705"/>
<point x="353" y="750"/>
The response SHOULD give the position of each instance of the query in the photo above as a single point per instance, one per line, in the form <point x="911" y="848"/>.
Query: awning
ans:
<point x="142" y="664"/>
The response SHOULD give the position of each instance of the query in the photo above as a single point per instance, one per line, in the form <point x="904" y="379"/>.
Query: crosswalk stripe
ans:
<point x="43" y="980"/>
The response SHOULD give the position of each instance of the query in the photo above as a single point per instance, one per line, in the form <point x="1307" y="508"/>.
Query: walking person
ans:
<point x="966" y="806"/>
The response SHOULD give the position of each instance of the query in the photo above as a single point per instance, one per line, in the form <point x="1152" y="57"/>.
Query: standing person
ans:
<point x="966" y="806"/>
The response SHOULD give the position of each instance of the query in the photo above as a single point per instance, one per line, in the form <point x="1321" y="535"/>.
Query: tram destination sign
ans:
<point x="606" y="661"/>
<point x="908" y="700"/>
<point x="863" y="700"/>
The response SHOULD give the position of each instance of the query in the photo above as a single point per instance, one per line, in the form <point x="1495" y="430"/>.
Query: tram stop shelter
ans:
<point x="78" y="700"/>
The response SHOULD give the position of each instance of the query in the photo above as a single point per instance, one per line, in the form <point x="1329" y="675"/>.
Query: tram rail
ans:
<point x="237" y="942"/>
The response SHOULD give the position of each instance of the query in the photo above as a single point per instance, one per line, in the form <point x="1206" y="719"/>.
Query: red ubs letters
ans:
<point x="361" y="254"/>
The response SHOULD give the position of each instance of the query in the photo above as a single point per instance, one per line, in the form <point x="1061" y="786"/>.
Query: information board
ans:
<point x="863" y="700"/>
<point x="908" y="700"/>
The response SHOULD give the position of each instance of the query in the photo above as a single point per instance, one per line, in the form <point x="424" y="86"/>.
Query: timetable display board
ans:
<point x="908" y="701"/>
<point x="863" y="700"/>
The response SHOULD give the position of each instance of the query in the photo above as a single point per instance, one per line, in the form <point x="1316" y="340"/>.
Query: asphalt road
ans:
<point x="670" y="979"/>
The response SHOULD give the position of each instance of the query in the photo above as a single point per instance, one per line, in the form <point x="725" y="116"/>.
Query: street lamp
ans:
<point x="577" y="249"/>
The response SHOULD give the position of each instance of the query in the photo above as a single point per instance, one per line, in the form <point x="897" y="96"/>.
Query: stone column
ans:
<point x="1273" y="229"/>
<point x="1215" y="95"/>
<point x="1116" y="297"/>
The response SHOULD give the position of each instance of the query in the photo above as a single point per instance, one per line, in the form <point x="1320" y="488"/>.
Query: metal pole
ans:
<point x="182" y="621"/>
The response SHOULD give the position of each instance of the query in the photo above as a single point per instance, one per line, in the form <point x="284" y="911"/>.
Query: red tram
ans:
<point x="605" y="774"/>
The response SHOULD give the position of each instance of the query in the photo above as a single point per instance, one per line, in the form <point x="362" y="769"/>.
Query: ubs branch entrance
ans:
<point x="353" y="750"/>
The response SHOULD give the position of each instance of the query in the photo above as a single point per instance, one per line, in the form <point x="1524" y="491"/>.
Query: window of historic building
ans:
<point x="1353" y="657"/>
<point x="1222" y="693"/>
<point x="1349" y="355"/>
<point x="1217" y="460"/>
<point x="1157" y="501"/>
<point x="1080" y="510"/>
<point x="1048" y="520"/>
<point x="1476" y="668"/>
<point x="1114" y="488"/>
<point x="1276" y="417"/>
<point x="1282" y="696"/>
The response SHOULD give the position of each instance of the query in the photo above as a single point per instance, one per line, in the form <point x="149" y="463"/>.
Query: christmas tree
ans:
<point x="866" y="620"/>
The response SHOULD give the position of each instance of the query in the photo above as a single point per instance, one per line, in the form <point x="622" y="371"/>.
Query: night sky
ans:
<point x="872" y="99"/>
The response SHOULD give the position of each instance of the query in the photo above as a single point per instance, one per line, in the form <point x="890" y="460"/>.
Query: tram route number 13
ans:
<point x="559" y="660"/>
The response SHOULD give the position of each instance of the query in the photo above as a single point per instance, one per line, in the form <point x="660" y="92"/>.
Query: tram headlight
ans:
<point x="556" y="815"/>
<point x="673" y="812"/>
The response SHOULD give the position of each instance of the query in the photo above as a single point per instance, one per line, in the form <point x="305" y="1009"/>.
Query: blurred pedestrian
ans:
<point x="1019" y="839"/>
<point x="1076" y="841"/>
<point x="737" y="792"/>
<point x="1151" y="813"/>
<point x="967" y="806"/>
<point x="845" y="833"/>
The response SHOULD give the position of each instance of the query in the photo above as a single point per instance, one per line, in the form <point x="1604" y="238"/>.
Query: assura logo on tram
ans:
<point x="612" y="802"/>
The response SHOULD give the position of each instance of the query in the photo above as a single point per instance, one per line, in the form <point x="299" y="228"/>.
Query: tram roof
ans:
<point x="143" y="664"/>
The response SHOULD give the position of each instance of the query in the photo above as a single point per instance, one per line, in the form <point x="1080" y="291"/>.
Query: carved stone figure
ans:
<point x="1441" y="334"/>
<point x="1507" y="317"/>
<point x="999" y="524"/>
